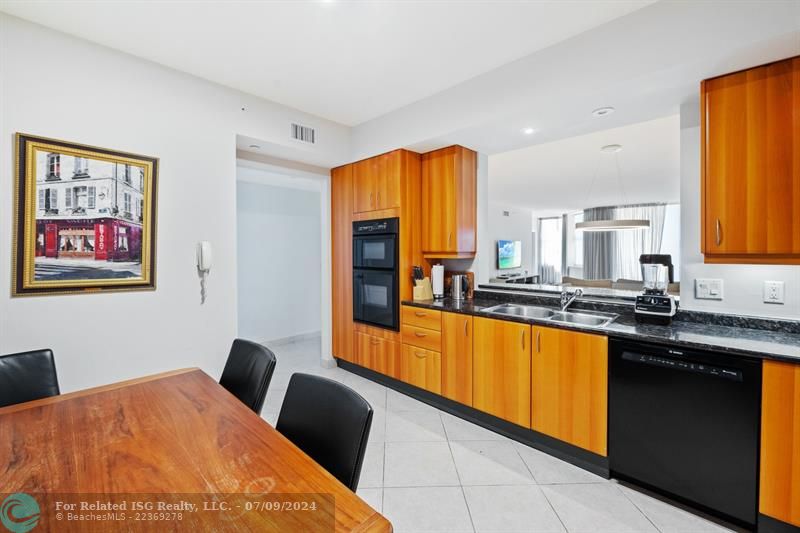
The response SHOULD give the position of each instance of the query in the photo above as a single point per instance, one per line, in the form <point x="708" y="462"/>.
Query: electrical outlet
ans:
<point x="773" y="292"/>
<point x="708" y="289"/>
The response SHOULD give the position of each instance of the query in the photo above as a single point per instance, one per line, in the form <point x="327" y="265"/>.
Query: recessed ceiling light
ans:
<point x="257" y="147"/>
<point x="611" y="148"/>
<point x="528" y="131"/>
<point x="603" y="111"/>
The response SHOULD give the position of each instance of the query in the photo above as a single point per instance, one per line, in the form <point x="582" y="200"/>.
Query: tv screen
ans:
<point x="509" y="254"/>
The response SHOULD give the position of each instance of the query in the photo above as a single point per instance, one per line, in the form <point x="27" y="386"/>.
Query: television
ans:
<point x="509" y="254"/>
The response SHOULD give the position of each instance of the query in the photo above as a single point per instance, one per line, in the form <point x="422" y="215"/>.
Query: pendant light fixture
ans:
<point x="612" y="224"/>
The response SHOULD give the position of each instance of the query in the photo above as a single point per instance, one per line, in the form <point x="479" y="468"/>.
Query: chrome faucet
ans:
<point x="567" y="298"/>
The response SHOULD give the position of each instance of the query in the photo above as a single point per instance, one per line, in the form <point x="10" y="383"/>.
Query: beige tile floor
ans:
<point x="428" y="471"/>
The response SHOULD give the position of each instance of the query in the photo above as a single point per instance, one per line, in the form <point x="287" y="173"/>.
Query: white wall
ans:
<point x="742" y="283"/>
<point x="121" y="102"/>
<point x="278" y="261"/>
<point x="518" y="226"/>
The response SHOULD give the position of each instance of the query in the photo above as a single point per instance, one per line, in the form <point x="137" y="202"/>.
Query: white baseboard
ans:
<point x="293" y="339"/>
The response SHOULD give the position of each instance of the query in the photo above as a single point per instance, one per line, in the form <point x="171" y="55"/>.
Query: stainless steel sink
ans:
<point x="527" y="311"/>
<point x="597" y="320"/>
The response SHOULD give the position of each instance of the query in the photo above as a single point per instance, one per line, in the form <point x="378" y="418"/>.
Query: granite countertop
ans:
<point x="719" y="338"/>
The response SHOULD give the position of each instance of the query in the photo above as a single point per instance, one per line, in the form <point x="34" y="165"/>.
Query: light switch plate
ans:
<point x="708" y="289"/>
<point x="773" y="292"/>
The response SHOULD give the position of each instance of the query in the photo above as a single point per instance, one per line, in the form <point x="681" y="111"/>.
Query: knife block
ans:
<point x="423" y="291"/>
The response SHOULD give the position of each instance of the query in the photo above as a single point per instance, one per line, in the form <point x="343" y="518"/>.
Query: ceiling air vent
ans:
<point x="305" y="134"/>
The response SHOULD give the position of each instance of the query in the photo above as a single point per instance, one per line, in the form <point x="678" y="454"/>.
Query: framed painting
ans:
<point x="85" y="218"/>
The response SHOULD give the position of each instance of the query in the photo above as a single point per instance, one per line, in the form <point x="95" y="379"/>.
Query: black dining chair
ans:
<point x="247" y="373"/>
<point x="330" y="422"/>
<point x="27" y="376"/>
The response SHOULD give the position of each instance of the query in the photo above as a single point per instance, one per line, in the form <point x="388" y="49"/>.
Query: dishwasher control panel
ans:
<point x="688" y="366"/>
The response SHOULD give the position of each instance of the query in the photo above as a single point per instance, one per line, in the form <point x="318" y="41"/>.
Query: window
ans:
<point x="53" y="198"/>
<point x="81" y="169"/>
<point x="91" y="200"/>
<point x="41" y="198"/>
<point x="126" y="176"/>
<point x="126" y="197"/>
<point x="550" y="249"/>
<point x="53" y="166"/>
<point x="139" y="209"/>
<point x="141" y="179"/>
<point x="578" y="240"/>
<point x="68" y="198"/>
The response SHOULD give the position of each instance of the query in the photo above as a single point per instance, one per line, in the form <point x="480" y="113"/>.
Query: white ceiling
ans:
<point x="556" y="177"/>
<point x="346" y="61"/>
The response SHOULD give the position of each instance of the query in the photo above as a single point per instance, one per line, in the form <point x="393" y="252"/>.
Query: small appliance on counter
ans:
<point x="655" y="306"/>
<point x="437" y="280"/>
<point x="459" y="286"/>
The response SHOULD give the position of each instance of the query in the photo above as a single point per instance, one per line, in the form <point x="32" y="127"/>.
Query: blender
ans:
<point x="654" y="305"/>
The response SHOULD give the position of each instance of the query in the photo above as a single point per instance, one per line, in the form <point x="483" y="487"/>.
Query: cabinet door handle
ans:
<point x="379" y="198"/>
<point x="421" y="355"/>
<point x="465" y="328"/>
<point x="449" y="238"/>
<point x="420" y="313"/>
<point x="719" y="233"/>
<point x="522" y="338"/>
<point x="370" y="199"/>
<point x="418" y="334"/>
<point x="538" y="341"/>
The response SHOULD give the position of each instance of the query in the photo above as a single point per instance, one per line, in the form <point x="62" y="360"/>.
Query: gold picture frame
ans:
<point x="84" y="217"/>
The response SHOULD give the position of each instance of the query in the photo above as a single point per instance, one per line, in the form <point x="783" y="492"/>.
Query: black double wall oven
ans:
<point x="375" y="273"/>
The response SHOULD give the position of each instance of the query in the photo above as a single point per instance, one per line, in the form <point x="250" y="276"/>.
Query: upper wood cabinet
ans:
<point x="376" y="182"/>
<point x="449" y="205"/>
<point x="780" y="442"/>
<point x="570" y="387"/>
<point x="457" y="339"/>
<point x="750" y="134"/>
<point x="501" y="378"/>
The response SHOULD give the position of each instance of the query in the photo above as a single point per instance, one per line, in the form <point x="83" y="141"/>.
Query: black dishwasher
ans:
<point x="686" y="423"/>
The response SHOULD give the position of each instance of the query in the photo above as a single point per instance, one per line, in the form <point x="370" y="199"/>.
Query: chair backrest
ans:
<point x="330" y="422"/>
<point x="247" y="373"/>
<point x="27" y="376"/>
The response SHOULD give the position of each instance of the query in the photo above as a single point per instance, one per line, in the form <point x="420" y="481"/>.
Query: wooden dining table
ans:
<point x="163" y="444"/>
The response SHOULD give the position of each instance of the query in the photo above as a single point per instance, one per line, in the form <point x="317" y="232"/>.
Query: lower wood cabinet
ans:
<point x="570" y="387"/>
<point x="502" y="369"/>
<point x="380" y="355"/>
<point x="780" y="442"/>
<point x="457" y="338"/>
<point x="421" y="368"/>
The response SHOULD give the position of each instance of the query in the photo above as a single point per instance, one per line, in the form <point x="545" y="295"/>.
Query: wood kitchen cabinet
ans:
<point x="342" y="262"/>
<point x="421" y="368"/>
<point x="457" y="339"/>
<point x="780" y="442"/>
<point x="378" y="354"/>
<point x="750" y="150"/>
<point x="376" y="182"/>
<point x="501" y="378"/>
<point x="569" y="382"/>
<point x="449" y="205"/>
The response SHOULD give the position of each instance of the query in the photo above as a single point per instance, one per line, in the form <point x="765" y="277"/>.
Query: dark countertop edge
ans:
<point x="466" y="308"/>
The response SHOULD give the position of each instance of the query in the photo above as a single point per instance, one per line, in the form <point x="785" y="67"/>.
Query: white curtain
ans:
<point x="615" y="254"/>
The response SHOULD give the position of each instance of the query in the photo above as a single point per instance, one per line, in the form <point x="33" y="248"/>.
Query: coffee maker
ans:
<point x="655" y="305"/>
